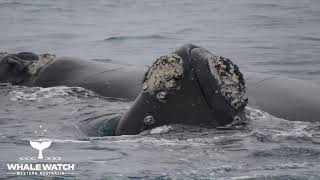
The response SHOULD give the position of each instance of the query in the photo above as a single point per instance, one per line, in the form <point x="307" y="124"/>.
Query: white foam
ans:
<point x="38" y="93"/>
<point x="276" y="128"/>
<point x="162" y="141"/>
<point x="161" y="129"/>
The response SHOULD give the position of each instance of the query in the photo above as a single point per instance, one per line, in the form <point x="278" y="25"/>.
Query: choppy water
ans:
<point x="279" y="37"/>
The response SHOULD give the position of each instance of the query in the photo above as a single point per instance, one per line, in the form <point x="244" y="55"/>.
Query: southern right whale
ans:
<point x="188" y="86"/>
<point x="291" y="99"/>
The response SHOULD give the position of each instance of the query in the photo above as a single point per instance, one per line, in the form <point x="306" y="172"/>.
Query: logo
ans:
<point x="40" y="165"/>
<point x="40" y="146"/>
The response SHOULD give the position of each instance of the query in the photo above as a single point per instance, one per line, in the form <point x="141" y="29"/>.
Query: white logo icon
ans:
<point x="40" y="146"/>
<point x="42" y="168"/>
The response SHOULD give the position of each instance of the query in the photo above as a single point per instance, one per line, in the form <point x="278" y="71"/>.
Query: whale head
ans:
<point x="14" y="67"/>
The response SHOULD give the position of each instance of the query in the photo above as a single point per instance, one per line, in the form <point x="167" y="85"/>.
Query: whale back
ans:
<point x="105" y="78"/>
<point x="291" y="99"/>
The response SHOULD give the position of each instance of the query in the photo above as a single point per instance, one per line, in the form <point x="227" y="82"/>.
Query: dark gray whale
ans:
<point x="189" y="86"/>
<point x="286" y="98"/>
<point x="104" y="78"/>
<point x="291" y="99"/>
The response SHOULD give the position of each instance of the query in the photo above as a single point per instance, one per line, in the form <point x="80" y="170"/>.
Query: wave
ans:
<point x="312" y="73"/>
<point x="278" y="6"/>
<point x="14" y="3"/>
<point x="309" y="38"/>
<point x="59" y="140"/>
<point x="141" y="37"/>
<point x="284" y="63"/>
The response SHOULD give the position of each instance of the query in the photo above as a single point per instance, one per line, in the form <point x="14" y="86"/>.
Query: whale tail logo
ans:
<point x="40" y="146"/>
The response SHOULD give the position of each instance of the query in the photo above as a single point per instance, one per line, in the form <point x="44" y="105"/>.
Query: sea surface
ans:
<point x="279" y="37"/>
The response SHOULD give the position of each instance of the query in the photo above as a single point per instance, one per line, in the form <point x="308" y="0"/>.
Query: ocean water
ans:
<point x="275" y="37"/>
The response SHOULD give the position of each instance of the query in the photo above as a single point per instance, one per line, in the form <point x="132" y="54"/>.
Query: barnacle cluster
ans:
<point x="165" y="74"/>
<point x="230" y="81"/>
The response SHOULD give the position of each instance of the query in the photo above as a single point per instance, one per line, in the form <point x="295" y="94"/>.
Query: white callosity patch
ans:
<point x="166" y="74"/>
<point x="44" y="59"/>
<point x="230" y="80"/>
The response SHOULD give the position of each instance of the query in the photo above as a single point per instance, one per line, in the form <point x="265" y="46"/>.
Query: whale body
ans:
<point x="104" y="78"/>
<point x="290" y="99"/>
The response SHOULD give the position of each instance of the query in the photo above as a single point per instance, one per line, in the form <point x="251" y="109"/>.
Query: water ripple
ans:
<point x="142" y="37"/>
